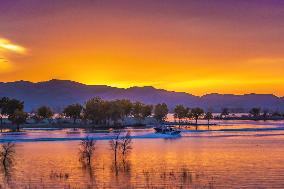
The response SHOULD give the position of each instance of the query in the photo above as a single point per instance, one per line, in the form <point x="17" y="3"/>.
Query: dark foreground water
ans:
<point x="238" y="155"/>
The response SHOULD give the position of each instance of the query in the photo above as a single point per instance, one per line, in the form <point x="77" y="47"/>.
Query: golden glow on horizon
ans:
<point x="4" y="65"/>
<point x="123" y="72"/>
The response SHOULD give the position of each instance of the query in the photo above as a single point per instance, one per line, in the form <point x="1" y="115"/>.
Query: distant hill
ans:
<point x="59" y="93"/>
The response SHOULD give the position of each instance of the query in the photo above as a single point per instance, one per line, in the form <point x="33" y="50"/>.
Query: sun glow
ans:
<point x="6" y="45"/>
<point x="7" y="50"/>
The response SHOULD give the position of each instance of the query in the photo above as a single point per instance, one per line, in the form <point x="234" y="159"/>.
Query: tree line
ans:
<point x="181" y="112"/>
<point x="184" y="113"/>
<point x="95" y="111"/>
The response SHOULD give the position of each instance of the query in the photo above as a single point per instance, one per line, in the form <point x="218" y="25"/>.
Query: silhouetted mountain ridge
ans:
<point x="59" y="93"/>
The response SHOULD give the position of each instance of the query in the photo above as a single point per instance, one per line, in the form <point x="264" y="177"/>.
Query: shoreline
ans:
<point x="9" y="126"/>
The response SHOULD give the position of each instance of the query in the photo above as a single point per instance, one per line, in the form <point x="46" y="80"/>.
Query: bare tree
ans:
<point x="7" y="152"/>
<point x="125" y="144"/>
<point x="115" y="144"/>
<point x="121" y="145"/>
<point x="87" y="148"/>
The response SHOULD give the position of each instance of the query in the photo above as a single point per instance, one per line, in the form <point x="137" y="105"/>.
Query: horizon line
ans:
<point x="135" y="86"/>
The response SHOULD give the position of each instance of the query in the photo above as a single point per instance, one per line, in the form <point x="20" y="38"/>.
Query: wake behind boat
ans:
<point x="166" y="130"/>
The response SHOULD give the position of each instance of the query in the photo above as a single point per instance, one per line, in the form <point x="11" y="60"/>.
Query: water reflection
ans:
<point x="58" y="176"/>
<point x="7" y="172"/>
<point x="121" y="173"/>
<point x="189" y="162"/>
<point x="89" y="173"/>
<point x="123" y="166"/>
<point x="181" y="178"/>
<point x="87" y="148"/>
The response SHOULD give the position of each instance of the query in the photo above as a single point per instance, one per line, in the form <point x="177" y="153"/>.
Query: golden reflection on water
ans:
<point x="153" y="163"/>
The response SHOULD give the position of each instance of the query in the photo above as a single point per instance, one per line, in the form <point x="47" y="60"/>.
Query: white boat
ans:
<point x="166" y="130"/>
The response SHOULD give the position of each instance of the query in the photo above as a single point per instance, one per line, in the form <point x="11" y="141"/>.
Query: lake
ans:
<point x="235" y="154"/>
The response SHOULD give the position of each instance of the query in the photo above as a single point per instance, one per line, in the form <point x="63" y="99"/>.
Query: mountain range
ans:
<point x="59" y="93"/>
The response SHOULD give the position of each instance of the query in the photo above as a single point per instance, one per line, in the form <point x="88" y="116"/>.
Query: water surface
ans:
<point x="232" y="155"/>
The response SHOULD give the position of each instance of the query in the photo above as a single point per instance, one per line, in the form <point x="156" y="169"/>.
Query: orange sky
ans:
<point x="192" y="46"/>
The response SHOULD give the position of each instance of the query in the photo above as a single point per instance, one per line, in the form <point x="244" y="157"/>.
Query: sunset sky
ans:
<point x="195" y="46"/>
